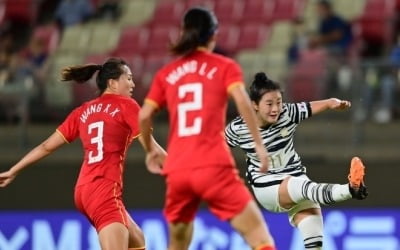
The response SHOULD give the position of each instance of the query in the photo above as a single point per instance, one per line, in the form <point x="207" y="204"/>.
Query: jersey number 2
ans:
<point x="97" y="139"/>
<point x="184" y="129"/>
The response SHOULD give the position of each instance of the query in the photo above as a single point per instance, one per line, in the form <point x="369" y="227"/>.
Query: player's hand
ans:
<point x="154" y="161"/>
<point x="338" y="104"/>
<point x="6" y="178"/>
<point x="263" y="157"/>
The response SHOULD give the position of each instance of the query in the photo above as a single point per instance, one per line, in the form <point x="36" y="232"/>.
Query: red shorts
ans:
<point x="101" y="202"/>
<point x="220" y="187"/>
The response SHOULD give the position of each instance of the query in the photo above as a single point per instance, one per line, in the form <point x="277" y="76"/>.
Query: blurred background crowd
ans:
<point x="316" y="49"/>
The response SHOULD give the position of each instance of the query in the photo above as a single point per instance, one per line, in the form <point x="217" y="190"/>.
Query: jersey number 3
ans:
<point x="185" y="129"/>
<point x="96" y="129"/>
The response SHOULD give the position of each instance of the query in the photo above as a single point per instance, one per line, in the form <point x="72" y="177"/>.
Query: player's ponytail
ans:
<point x="261" y="85"/>
<point x="111" y="69"/>
<point x="199" y="25"/>
<point x="79" y="73"/>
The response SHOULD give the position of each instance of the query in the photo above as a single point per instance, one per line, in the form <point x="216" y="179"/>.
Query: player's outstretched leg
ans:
<point x="357" y="186"/>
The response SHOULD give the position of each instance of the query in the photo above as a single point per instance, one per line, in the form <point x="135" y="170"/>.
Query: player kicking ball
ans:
<point x="286" y="187"/>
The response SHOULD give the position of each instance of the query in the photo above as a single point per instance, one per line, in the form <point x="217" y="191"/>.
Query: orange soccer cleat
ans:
<point x="357" y="187"/>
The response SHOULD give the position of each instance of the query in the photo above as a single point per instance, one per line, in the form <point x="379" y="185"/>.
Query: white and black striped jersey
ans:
<point x="278" y="139"/>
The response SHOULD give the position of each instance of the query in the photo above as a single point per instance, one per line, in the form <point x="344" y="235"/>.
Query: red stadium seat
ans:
<point x="50" y="34"/>
<point x="229" y="11"/>
<point x="252" y="36"/>
<point x="376" y="23"/>
<point x="228" y="37"/>
<point x="133" y="40"/>
<point x="168" y="12"/>
<point x="288" y="9"/>
<point x="379" y="9"/>
<point x="205" y="3"/>
<point x="96" y="58"/>
<point x="22" y="10"/>
<point x="306" y="79"/>
<point x="160" y="37"/>
<point x="154" y="61"/>
<point x="258" y="11"/>
<point x="2" y="12"/>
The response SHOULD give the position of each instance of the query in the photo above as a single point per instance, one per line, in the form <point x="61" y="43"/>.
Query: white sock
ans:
<point x="300" y="189"/>
<point x="311" y="228"/>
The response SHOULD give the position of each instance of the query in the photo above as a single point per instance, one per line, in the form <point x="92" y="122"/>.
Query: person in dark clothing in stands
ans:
<point x="334" y="33"/>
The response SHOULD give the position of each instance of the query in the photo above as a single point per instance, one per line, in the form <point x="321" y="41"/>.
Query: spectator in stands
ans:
<point x="300" y="40"/>
<point x="381" y="80"/>
<point x="108" y="10"/>
<point x="7" y="57"/>
<point x="71" y="12"/>
<point x="334" y="33"/>
<point x="31" y="63"/>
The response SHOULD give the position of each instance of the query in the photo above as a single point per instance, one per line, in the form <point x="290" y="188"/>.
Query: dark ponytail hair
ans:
<point x="111" y="69"/>
<point x="261" y="85"/>
<point x="199" y="25"/>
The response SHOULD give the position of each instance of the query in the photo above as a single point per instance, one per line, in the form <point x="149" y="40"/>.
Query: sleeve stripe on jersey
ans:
<point x="152" y="103"/>
<point x="59" y="132"/>
<point x="136" y="136"/>
<point x="234" y="85"/>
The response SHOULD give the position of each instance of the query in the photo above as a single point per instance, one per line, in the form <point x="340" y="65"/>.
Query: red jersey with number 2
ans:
<point x="106" y="127"/>
<point x="194" y="90"/>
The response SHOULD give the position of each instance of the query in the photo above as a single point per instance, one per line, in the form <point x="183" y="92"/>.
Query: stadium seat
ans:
<point x="104" y="37"/>
<point x="160" y="37"/>
<point x="136" y="12"/>
<point x="349" y="10"/>
<point x="60" y="94"/>
<point x="205" y="3"/>
<point x="375" y="25"/>
<point x="280" y="37"/>
<point x="152" y="63"/>
<point x="379" y="9"/>
<point x="252" y="36"/>
<point x="306" y="78"/>
<point x="22" y="10"/>
<point x="258" y="11"/>
<point x="49" y="34"/>
<point x="288" y="9"/>
<point x="228" y="36"/>
<point x="96" y="58"/>
<point x="133" y="40"/>
<point x="168" y="12"/>
<point x="2" y="12"/>
<point x="75" y="39"/>
<point x="251" y="61"/>
<point x="229" y="11"/>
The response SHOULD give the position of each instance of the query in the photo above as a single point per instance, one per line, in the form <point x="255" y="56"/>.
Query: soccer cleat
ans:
<point x="357" y="187"/>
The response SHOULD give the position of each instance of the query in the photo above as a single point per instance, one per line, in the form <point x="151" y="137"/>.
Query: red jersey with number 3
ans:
<point x="106" y="127"/>
<point x="194" y="90"/>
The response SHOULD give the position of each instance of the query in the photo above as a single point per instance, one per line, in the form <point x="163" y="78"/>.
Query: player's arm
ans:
<point x="155" y="154"/>
<point x="146" y="114"/>
<point x="329" y="104"/>
<point x="39" y="152"/>
<point x="245" y="109"/>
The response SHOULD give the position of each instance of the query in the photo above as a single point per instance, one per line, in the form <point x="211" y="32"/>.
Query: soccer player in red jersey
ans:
<point x="106" y="126"/>
<point x="199" y="167"/>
